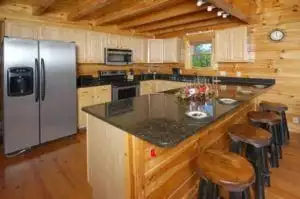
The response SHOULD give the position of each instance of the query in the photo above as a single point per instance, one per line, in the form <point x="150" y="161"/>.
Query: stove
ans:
<point x="121" y="87"/>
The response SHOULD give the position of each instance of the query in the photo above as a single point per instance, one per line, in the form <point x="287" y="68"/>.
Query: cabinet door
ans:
<point x="102" y="94"/>
<point x="146" y="88"/>
<point x="112" y="41"/>
<point x="21" y="30"/>
<point x="95" y="47"/>
<point x="53" y="33"/>
<point x="222" y="45"/>
<point x="239" y="48"/>
<point x="79" y="37"/>
<point x="139" y="50"/>
<point x="155" y="48"/>
<point x="126" y="42"/>
<point x="171" y="50"/>
<point x="85" y="98"/>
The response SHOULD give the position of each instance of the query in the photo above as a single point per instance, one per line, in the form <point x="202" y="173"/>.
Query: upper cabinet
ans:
<point x="231" y="45"/>
<point x="139" y="50"/>
<point x="171" y="53"/>
<point x="155" y="50"/>
<point x="21" y="30"/>
<point x="95" y="42"/>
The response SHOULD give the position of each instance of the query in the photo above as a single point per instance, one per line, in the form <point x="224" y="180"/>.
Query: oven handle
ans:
<point x="125" y="87"/>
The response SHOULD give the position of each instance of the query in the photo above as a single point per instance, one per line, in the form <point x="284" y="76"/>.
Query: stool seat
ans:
<point x="249" y="134"/>
<point x="272" y="106"/>
<point x="270" y="118"/>
<point x="228" y="170"/>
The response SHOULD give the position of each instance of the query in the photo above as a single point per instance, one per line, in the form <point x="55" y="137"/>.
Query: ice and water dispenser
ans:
<point x="19" y="81"/>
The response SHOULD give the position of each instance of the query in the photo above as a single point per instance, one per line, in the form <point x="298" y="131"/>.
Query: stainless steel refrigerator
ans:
<point x="39" y="92"/>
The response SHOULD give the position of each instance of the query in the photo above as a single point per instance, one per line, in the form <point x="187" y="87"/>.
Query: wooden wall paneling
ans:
<point x="177" y="10"/>
<point x="87" y="7"/>
<point x="134" y="10"/>
<point x="42" y="7"/>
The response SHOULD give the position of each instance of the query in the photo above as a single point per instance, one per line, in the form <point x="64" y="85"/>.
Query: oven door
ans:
<point x="125" y="92"/>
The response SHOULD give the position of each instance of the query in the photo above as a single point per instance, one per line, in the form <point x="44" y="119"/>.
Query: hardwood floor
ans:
<point x="58" y="171"/>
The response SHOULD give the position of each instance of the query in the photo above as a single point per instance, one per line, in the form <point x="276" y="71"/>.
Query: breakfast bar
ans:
<point x="147" y="146"/>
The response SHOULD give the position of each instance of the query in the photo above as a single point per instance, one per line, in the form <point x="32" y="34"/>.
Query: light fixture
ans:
<point x="220" y="13"/>
<point x="200" y="3"/>
<point x="225" y="15"/>
<point x="210" y="8"/>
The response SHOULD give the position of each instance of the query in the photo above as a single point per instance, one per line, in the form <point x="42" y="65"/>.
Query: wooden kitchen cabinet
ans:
<point x="79" y="37"/>
<point x="21" y="30"/>
<point x="95" y="42"/>
<point x="139" y="50"/>
<point x="102" y="94"/>
<point x="91" y="96"/>
<point x="171" y="53"/>
<point x="54" y="33"/>
<point x="155" y="50"/>
<point x="231" y="45"/>
<point x="85" y="98"/>
<point x="147" y="87"/>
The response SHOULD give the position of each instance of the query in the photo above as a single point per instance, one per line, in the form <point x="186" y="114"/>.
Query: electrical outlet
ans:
<point x="238" y="74"/>
<point x="296" y="120"/>
<point x="223" y="73"/>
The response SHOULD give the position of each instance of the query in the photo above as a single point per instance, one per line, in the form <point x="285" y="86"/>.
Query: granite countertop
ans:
<point x="161" y="118"/>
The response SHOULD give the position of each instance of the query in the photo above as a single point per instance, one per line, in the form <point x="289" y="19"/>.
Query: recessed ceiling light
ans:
<point x="200" y="2"/>
<point x="220" y="13"/>
<point x="225" y="15"/>
<point x="210" y="8"/>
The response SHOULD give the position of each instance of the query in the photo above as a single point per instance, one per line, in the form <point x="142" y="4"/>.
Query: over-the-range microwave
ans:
<point x="117" y="56"/>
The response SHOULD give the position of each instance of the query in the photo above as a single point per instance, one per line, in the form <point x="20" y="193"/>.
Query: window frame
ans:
<point x="190" y="41"/>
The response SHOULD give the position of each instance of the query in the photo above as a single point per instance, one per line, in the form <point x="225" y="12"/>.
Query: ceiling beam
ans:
<point x="180" y="9"/>
<point x="182" y="33"/>
<point x="190" y="18"/>
<point x="139" y="8"/>
<point x="242" y="10"/>
<point x="87" y="7"/>
<point x="42" y="7"/>
<point x="192" y="25"/>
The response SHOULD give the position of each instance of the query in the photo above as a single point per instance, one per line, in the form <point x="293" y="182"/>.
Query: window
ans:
<point x="202" y="55"/>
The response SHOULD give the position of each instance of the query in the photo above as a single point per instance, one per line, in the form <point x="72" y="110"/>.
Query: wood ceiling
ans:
<point x="159" y="18"/>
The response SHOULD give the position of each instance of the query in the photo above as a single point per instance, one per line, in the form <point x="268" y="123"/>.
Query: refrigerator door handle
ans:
<point x="43" y="84"/>
<point x="37" y="80"/>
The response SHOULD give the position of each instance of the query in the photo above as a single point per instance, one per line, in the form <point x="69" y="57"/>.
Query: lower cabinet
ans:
<point x="91" y="96"/>
<point x="155" y="86"/>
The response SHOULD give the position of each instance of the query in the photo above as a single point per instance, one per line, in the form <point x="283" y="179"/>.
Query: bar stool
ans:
<point x="226" y="170"/>
<point x="271" y="122"/>
<point x="256" y="140"/>
<point x="280" y="109"/>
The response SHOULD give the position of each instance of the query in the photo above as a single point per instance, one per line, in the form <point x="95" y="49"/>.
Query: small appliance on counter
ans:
<point x="117" y="56"/>
<point x="121" y="87"/>
<point x="85" y="80"/>
<point x="176" y="72"/>
<point x="130" y="75"/>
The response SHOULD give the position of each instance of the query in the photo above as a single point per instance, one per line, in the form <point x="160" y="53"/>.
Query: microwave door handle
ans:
<point x="43" y="84"/>
<point x="37" y="80"/>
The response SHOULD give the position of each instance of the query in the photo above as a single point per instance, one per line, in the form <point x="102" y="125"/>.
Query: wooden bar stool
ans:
<point x="226" y="170"/>
<point x="256" y="140"/>
<point x="280" y="109"/>
<point x="271" y="122"/>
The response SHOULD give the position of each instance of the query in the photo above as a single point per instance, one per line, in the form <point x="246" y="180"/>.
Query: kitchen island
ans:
<point x="146" y="147"/>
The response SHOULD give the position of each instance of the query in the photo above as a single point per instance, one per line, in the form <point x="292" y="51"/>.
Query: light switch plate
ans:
<point x="296" y="120"/>
<point x="238" y="74"/>
<point x="223" y="73"/>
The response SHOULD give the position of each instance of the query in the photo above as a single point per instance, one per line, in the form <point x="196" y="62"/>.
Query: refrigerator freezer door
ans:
<point x="58" y="90"/>
<point x="20" y="112"/>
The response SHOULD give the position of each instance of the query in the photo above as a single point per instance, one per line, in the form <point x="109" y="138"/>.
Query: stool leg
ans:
<point x="273" y="148"/>
<point x="203" y="189"/>
<point x="283" y="132"/>
<point x="246" y="194"/>
<point x="236" y="147"/>
<point x="280" y="133"/>
<point x="265" y="166"/>
<point x="213" y="191"/>
<point x="259" y="184"/>
<point x="286" y="126"/>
